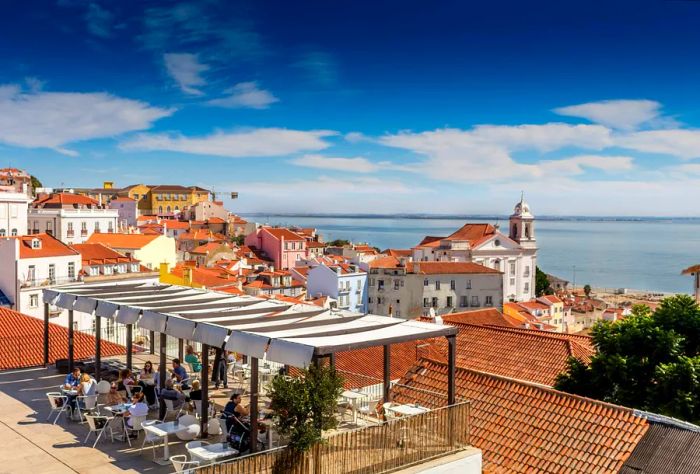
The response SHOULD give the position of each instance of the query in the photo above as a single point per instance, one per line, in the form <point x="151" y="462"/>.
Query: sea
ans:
<point x="634" y="253"/>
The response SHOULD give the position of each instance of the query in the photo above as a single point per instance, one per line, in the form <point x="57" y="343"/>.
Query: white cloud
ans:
<point x="357" y="137"/>
<point x="576" y="164"/>
<point x="186" y="70"/>
<point x="325" y="186"/>
<point x="353" y="165"/>
<point x="99" y="21"/>
<point x="246" y="95"/>
<point x="244" y="143"/>
<point x="618" y="114"/>
<point x="678" y="142"/>
<point x="54" y="119"/>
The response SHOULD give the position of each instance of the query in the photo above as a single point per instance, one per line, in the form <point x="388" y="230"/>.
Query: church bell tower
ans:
<point x="522" y="224"/>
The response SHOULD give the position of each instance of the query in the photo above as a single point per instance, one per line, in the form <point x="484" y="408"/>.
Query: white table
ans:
<point x="162" y="430"/>
<point x="353" y="397"/>
<point x="407" y="410"/>
<point x="117" y="412"/>
<point x="212" y="452"/>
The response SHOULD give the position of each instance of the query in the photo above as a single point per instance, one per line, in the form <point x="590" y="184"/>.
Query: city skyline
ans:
<point x="453" y="109"/>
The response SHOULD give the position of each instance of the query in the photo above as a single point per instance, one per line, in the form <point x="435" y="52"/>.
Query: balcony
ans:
<point x="70" y="233"/>
<point x="83" y="232"/>
<point x="43" y="282"/>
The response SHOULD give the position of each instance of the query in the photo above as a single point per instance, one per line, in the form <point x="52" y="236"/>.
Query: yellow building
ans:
<point x="161" y="199"/>
<point x="149" y="249"/>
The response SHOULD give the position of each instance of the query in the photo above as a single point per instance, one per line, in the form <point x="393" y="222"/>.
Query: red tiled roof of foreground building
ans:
<point x="482" y="317"/>
<point x="49" y="247"/>
<point x="434" y="268"/>
<point x="533" y="356"/>
<point x="283" y="233"/>
<point x="583" y="340"/>
<point x="64" y="199"/>
<point x="99" y="254"/>
<point x="23" y="341"/>
<point x="122" y="241"/>
<point x="521" y="427"/>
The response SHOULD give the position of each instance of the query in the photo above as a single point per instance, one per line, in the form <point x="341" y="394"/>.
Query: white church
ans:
<point x="514" y="254"/>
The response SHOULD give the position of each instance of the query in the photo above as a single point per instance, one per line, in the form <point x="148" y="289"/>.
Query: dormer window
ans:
<point x="36" y="243"/>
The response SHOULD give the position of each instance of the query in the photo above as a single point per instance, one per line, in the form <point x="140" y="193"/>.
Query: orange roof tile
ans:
<point x="64" y="198"/>
<point x="434" y="268"/>
<point x="25" y="335"/>
<point x="385" y="262"/>
<point x="50" y="247"/>
<point x="521" y="427"/>
<point x="216" y="220"/>
<point x="98" y="254"/>
<point x="489" y="316"/>
<point x="283" y="233"/>
<point x="398" y="252"/>
<point x="122" y="241"/>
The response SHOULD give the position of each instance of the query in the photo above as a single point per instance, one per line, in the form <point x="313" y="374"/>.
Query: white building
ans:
<point x="514" y="254"/>
<point x="412" y="289"/>
<point x="71" y="218"/>
<point x="128" y="210"/>
<point x="13" y="213"/>
<point x="34" y="262"/>
<point x="344" y="282"/>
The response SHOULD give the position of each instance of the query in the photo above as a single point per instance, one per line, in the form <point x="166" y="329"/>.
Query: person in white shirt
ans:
<point x="88" y="385"/>
<point x="138" y="408"/>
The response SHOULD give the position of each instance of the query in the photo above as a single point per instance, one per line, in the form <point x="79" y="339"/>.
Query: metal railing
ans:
<point x="382" y="447"/>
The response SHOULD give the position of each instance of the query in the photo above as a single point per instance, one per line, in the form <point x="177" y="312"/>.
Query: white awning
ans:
<point x="180" y="327"/>
<point x="210" y="334"/>
<point x="128" y="315"/>
<point x="105" y="309"/>
<point x="153" y="321"/>
<point x="249" y="344"/>
<point x="85" y="304"/>
<point x="290" y="353"/>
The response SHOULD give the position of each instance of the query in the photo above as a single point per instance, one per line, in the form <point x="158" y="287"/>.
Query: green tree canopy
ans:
<point x="587" y="289"/>
<point x="648" y="360"/>
<point x="338" y="243"/>
<point x="542" y="283"/>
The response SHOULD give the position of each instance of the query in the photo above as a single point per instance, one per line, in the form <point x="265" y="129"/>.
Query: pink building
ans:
<point x="281" y="245"/>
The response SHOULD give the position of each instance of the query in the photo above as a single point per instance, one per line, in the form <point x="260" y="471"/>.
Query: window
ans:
<point x="182" y="197"/>
<point x="136" y="196"/>
<point x="369" y="300"/>
<point x="3" y="232"/>
<point x="49" y="227"/>
<point x="489" y="301"/>
<point x="527" y="271"/>
<point x="449" y="301"/>
<point x="452" y="285"/>
<point x="167" y="209"/>
<point x="401" y="282"/>
<point x="14" y="233"/>
<point x="33" y="301"/>
<point x="371" y="282"/>
<point x="36" y="243"/>
<point x="83" y="226"/>
<point x="379" y="300"/>
<point x="426" y="282"/>
<point x="435" y="302"/>
<point x="512" y="268"/>
<point x="177" y="208"/>
<point x="475" y="301"/>
<point x="71" y="270"/>
<point x="97" y="227"/>
<point x="437" y="284"/>
<point x="469" y="284"/>
<point x="426" y="302"/>
<point x="52" y="273"/>
<point x="160" y="209"/>
<point x="110" y="227"/>
<point x="463" y="301"/>
<point x="31" y="275"/>
<point x="526" y="289"/>
<point x="512" y="282"/>
<point x="396" y="284"/>
<point x="380" y="284"/>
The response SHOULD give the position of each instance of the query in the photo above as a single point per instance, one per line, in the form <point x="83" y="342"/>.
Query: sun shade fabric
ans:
<point x="51" y="296"/>
<point x="65" y="301"/>
<point x="289" y="353"/>
<point x="128" y="315"/>
<point x="179" y="327"/>
<point x="85" y="304"/>
<point x="249" y="344"/>
<point x="210" y="335"/>
<point x="153" y="321"/>
<point x="105" y="309"/>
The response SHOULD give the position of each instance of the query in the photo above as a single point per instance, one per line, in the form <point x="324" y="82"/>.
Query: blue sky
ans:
<point x="368" y="107"/>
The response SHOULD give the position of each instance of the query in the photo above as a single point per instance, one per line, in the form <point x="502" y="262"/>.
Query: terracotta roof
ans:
<point x="50" y="247"/>
<point x="208" y="277"/>
<point x="175" y="224"/>
<point x="99" y="254"/>
<point x="551" y="298"/>
<point x="475" y="234"/>
<point x="123" y="199"/>
<point x="428" y="240"/>
<point x="583" y="340"/>
<point x="215" y="220"/>
<point x="435" y="268"/>
<point x="25" y="336"/>
<point x="522" y="428"/>
<point x="534" y="356"/>
<point x="201" y="234"/>
<point x="490" y="316"/>
<point x="283" y="233"/>
<point x="691" y="269"/>
<point x="122" y="241"/>
<point x="385" y="262"/>
<point x="209" y="247"/>
<point x="64" y="199"/>
<point x="312" y="244"/>
<point x="398" y="252"/>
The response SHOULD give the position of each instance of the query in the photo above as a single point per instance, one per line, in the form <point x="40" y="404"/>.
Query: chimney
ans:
<point x="187" y="275"/>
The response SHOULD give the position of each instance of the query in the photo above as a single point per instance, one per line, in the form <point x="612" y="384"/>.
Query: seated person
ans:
<point x="179" y="373"/>
<point x="170" y="393"/>
<point x="138" y="408"/>
<point x="147" y="382"/>
<point x="72" y="380"/>
<point x="88" y="385"/>
<point x="196" y="392"/>
<point x="125" y="378"/>
<point x="234" y="409"/>
<point x="192" y="359"/>
<point x="113" y="397"/>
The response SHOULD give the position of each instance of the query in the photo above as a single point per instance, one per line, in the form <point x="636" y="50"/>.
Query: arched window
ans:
<point x="14" y="232"/>
<point x="177" y="209"/>
<point x="2" y="232"/>
<point x="167" y="209"/>
<point x="515" y="230"/>
<point x="527" y="231"/>
<point x="160" y="209"/>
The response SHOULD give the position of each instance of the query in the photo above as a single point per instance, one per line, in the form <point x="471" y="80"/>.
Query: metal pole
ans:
<point x="129" y="345"/>
<point x="331" y="359"/>
<point x="161" y="372"/>
<point x="451" y="359"/>
<point x="70" y="341"/>
<point x="204" y="416"/>
<point x="46" y="334"/>
<point x="152" y="339"/>
<point x="387" y="372"/>
<point x="253" y="404"/>
<point x="181" y="349"/>
<point x="98" y="347"/>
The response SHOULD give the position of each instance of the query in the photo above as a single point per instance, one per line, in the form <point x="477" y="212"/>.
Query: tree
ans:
<point x="648" y="360"/>
<point x="338" y="243"/>
<point x="238" y="239"/>
<point x="542" y="283"/>
<point x="306" y="405"/>
<point x="587" y="290"/>
<point x="35" y="182"/>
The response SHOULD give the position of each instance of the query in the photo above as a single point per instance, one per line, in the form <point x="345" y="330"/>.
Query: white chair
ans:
<point x="98" y="425"/>
<point x="182" y="465"/>
<point x="389" y="414"/>
<point x="195" y="444"/>
<point x="170" y="408"/>
<point x="59" y="404"/>
<point x="103" y="388"/>
<point x="150" y="437"/>
<point x="136" y="426"/>
<point x="187" y="420"/>
<point x="224" y="432"/>
<point x="198" y="408"/>
<point x="85" y="404"/>
<point x="370" y="408"/>
<point x="189" y="433"/>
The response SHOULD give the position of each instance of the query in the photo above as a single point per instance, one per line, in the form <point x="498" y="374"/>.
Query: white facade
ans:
<point x="13" y="213"/>
<point x="515" y="254"/>
<point x="73" y="226"/>
<point x="127" y="209"/>
<point x="347" y="285"/>
<point x="22" y="279"/>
